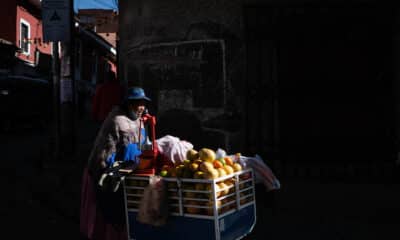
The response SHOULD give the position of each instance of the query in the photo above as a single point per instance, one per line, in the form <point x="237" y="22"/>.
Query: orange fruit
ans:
<point x="228" y="161"/>
<point x="217" y="164"/>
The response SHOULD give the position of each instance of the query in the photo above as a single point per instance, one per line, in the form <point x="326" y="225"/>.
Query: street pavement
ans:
<point x="48" y="197"/>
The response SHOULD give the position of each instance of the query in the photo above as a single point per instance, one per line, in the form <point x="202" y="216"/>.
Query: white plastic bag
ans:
<point x="220" y="153"/>
<point x="262" y="173"/>
<point x="153" y="207"/>
<point x="173" y="148"/>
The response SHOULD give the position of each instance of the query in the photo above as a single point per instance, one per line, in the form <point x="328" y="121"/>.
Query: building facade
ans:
<point x="23" y="27"/>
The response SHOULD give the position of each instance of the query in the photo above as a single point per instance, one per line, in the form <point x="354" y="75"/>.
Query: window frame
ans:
<point x="21" y="38"/>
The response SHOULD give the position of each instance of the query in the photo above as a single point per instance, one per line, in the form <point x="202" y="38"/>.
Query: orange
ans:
<point x="228" y="161"/>
<point x="217" y="164"/>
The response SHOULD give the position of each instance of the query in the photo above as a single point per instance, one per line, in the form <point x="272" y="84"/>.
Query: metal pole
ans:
<point x="56" y="99"/>
<point x="72" y="69"/>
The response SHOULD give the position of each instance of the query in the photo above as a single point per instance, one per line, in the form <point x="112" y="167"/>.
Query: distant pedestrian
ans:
<point x="107" y="95"/>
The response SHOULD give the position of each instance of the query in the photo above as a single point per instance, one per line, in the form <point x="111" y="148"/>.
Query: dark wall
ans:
<point x="328" y="69"/>
<point x="301" y="80"/>
<point x="8" y="11"/>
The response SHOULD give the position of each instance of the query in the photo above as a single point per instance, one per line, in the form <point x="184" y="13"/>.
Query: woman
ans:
<point x="102" y="211"/>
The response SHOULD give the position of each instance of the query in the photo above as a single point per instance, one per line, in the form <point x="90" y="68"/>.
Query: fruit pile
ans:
<point x="198" y="196"/>
<point x="201" y="184"/>
<point x="201" y="164"/>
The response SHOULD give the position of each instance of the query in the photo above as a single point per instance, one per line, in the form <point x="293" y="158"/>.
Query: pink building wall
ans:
<point x="36" y="36"/>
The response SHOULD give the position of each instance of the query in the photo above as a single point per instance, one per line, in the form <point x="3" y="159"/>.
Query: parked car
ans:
<point x="25" y="103"/>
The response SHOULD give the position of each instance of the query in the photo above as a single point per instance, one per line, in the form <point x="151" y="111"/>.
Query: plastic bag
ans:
<point x="173" y="148"/>
<point x="220" y="153"/>
<point x="153" y="208"/>
<point x="262" y="173"/>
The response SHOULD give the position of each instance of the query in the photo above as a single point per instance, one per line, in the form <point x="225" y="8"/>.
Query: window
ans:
<point x="25" y="34"/>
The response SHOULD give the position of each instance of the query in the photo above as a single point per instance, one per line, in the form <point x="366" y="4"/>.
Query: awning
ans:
<point x="4" y="44"/>
<point x="111" y="52"/>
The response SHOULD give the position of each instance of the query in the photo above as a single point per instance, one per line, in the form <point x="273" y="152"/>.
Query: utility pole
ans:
<point x="56" y="99"/>
<point x="57" y="28"/>
<point x="68" y="90"/>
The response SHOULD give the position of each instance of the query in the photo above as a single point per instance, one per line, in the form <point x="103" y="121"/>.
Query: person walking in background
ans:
<point x="107" y="95"/>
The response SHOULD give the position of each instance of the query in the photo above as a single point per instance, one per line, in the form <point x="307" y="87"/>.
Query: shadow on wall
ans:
<point x="187" y="126"/>
<point x="182" y="124"/>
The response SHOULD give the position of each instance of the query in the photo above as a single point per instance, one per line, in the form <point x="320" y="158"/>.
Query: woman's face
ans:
<point x="137" y="107"/>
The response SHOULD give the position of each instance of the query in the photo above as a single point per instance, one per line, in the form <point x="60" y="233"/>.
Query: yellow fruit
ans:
<point x="237" y="167"/>
<point x="179" y="170"/>
<point x="230" y="184"/>
<point x="194" y="167"/>
<point x="210" y="194"/>
<point x="206" y="154"/>
<point x="206" y="166"/>
<point x="186" y="162"/>
<point x="222" y="185"/>
<point x="229" y="169"/>
<point x="198" y="161"/>
<point x="198" y="175"/>
<point x="192" y="154"/>
<point x="211" y="174"/>
<point x="221" y="172"/>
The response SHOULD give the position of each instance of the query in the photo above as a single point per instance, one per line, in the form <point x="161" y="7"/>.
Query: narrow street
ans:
<point x="48" y="201"/>
<point x="311" y="86"/>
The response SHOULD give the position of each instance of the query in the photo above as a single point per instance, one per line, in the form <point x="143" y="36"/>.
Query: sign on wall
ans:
<point x="56" y="20"/>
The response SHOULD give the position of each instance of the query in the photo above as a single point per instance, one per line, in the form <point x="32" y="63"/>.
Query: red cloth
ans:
<point x="106" y="96"/>
<point x="92" y="223"/>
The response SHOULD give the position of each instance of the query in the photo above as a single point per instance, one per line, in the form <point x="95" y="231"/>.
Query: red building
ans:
<point x="22" y="26"/>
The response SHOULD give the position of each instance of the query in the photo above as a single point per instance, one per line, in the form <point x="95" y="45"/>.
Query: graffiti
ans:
<point x="197" y="66"/>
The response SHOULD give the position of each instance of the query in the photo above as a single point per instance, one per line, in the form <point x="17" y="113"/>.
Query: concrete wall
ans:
<point x="189" y="57"/>
<point x="155" y="38"/>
